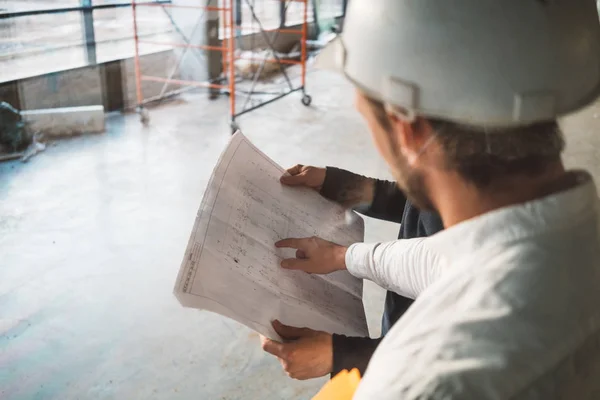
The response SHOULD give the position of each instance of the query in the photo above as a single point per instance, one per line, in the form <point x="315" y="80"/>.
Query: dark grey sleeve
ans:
<point x="350" y="190"/>
<point x="352" y="352"/>
<point x="388" y="202"/>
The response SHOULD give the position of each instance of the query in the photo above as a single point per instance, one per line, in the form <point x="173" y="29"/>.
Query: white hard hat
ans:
<point x="482" y="62"/>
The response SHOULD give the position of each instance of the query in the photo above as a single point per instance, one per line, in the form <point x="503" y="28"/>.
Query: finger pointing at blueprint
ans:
<point x="231" y="265"/>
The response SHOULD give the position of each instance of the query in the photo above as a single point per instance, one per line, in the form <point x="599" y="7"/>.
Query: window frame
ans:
<point x="86" y="8"/>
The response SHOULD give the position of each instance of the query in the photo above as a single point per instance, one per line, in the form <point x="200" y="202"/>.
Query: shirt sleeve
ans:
<point x="388" y="202"/>
<point x="405" y="266"/>
<point x="372" y="197"/>
<point x="352" y="352"/>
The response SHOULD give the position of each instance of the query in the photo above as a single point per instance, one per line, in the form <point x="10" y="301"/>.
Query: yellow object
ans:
<point x="341" y="387"/>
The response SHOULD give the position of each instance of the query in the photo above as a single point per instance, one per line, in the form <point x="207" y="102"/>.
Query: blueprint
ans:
<point x="231" y="265"/>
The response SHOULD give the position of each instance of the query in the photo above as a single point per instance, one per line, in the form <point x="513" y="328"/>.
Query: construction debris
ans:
<point x="263" y="64"/>
<point x="13" y="137"/>
<point x="23" y="133"/>
<point x="37" y="146"/>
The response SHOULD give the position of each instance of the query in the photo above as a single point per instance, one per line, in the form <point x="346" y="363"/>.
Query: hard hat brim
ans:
<point x="332" y="56"/>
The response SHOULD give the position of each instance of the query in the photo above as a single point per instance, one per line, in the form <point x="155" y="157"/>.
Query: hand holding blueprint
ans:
<point x="231" y="265"/>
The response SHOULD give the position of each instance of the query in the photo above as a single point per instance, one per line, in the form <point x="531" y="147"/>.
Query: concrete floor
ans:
<point x="92" y="232"/>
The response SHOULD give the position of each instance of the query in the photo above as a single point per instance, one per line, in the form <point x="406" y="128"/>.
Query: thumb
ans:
<point x="272" y="346"/>
<point x="289" y="332"/>
<point x="293" y="180"/>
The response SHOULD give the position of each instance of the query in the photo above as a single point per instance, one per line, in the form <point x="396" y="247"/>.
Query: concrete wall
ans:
<point x="77" y="87"/>
<point x="282" y="42"/>
<point x="157" y="64"/>
<point x="9" y="92"/>
<point x="111" y="85"/>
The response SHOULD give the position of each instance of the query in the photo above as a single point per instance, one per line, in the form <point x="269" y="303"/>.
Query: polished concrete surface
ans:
<point x="92" y="232"/>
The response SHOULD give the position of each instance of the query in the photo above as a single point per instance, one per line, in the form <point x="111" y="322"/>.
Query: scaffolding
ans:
<point x="251" y="91"/>
<point x="227" y="83"/>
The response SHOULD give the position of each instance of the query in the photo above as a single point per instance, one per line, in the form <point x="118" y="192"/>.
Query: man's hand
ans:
<point x="306" y="354"/>
<point x="314" y="255"/>
<point x="307" y="176"/>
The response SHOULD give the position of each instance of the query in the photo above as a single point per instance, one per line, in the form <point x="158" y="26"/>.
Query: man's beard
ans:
<point x="412" y="183"/>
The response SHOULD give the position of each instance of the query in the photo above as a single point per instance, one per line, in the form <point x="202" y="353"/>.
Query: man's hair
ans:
<point x="481" y="155"/>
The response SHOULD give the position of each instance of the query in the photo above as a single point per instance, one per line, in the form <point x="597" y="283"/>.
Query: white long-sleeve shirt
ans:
<point x="404" y="266"/>
<point x="508" y="305"/>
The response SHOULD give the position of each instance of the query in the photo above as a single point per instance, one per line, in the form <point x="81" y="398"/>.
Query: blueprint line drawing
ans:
<point x="231" y="265"/>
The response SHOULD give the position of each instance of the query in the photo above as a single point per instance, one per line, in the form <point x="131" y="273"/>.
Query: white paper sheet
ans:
<point x="231" y="265"/>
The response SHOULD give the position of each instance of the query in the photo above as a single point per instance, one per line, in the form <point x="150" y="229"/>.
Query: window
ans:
<point x="295" y="12"/>
<point x="275" y="13"/>
<point x="328" y="11"/>
<point x="10" y="6"/>
<point x="43" y="36"/>
<point x="268" y="13"/>
<point x="113" y="29"/>
<point x="29" y="44"/>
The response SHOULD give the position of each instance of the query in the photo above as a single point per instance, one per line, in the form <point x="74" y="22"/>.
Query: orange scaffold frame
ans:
<point x="228" y="57"/>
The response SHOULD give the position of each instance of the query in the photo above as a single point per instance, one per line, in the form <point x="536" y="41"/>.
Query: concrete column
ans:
<point x="214" y="64"/>
<point x="89" y="36"/>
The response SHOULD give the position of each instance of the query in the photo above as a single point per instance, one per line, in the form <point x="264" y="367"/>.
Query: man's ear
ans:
<point x="406" y="137"/>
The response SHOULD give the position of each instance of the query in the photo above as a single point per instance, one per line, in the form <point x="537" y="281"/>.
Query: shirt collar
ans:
<point x="551" y="213"/>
